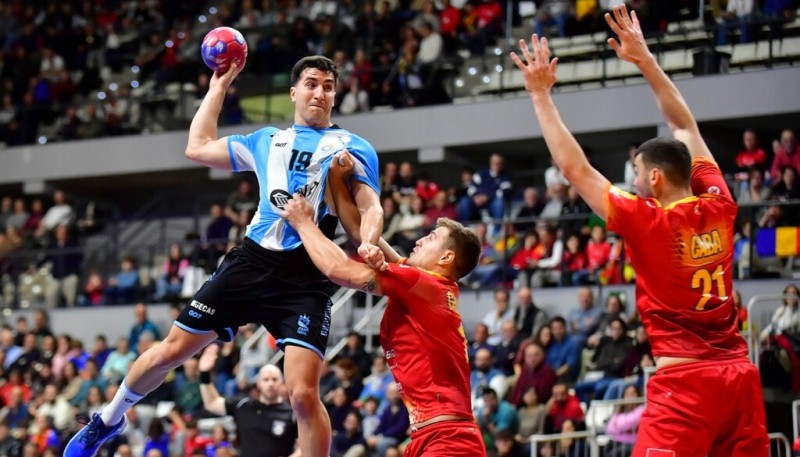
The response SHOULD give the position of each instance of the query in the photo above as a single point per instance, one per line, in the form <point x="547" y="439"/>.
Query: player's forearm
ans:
<point x="204" y="124"/>
<point x="670" y="101"/>
<point x="389" y="253"/>
<point x="333" y="262"/>
<point x="212" y="400"/>
<point x="325" y="254"/>
<point x="346" y="209"/>
<point x="565" y="150"/>
<point x="371" y="224"/>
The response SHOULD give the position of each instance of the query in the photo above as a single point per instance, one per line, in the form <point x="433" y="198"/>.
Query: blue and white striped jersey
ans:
<point x="295" y="160"/>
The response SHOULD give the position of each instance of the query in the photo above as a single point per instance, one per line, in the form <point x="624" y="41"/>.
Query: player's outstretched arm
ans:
<point x="632" y="47"/>
<point x="203" y="146"/>
<point x="346" y="208"/>
<point x="540" y="75"/>
<point x="326" y="255"/>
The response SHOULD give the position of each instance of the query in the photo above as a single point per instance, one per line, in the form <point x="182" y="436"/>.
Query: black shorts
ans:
<point x="283" y="291"/>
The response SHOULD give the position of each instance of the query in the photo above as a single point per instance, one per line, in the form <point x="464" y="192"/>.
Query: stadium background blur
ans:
<point x="100" y="210"/>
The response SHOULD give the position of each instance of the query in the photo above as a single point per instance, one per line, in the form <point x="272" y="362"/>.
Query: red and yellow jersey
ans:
<point x="683" y="255"/>
<point x="424" y="341"/>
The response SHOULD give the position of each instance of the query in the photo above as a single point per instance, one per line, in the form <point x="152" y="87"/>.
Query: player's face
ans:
<point x="429" y="250"/>
<point x="641" y="182"/>
<point x="313" y="98"/>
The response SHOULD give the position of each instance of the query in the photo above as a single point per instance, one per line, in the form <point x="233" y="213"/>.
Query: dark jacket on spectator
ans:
<point x="485" y="182"/>
<point x="394" y="422"/>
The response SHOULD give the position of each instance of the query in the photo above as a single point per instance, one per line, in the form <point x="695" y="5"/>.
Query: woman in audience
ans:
<point x="157" y="437"/>
<point x="530" y="418"/>
<point x="566" y="447"/>
<point x="412" y="221"/>
<point x="785" y="319"/>
<point x="170" y="283"/>
<point x="338" y="407"/>
<point x="350" y="442"/>
<point x="71" y="382"/>
<point x="624" y="424"/>
<point x="94" y="400"/>
<point x="65" y="351"/>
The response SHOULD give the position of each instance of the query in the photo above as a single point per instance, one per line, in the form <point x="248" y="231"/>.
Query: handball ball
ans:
<point x="223" y="46"/>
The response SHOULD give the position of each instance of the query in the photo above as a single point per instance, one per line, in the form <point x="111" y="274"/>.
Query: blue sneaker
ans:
<point x="89" y="439"/>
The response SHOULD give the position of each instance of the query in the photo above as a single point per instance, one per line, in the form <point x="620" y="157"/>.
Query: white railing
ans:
<point x="758" y="318"/>
<point x="588" y="439"/>
<point x="782" y="446"/>
<point x="600" y="411"/>
<point x="372" y="311"/>
<point x="795" y="418"/>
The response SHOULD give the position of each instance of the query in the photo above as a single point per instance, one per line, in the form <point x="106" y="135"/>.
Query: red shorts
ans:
<point x="447" y="439"/>
<point x="709" y="408"/>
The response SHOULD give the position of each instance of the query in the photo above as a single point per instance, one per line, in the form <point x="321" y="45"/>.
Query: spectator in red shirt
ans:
<point x="752" y="155"/>
<point x="449" y="22"/>
<point x="426" y="188"/>
<point x="598" y="251"/>
<point x="575" y="263"/>
<point x="787" y="154"/>
<point x="535" y="374"/>
<point x="490" y="17"/>
<point x="562" y="407"/>
<point x="526" y="257"/>
<point x="439" y="207"/>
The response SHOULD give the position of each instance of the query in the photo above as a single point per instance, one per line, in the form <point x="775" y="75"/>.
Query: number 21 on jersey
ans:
<point x="705" y="281"/>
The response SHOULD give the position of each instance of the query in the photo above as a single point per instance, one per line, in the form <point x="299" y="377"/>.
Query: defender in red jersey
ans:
<point x="421" y="331"/>
<point x="706" y="398"/>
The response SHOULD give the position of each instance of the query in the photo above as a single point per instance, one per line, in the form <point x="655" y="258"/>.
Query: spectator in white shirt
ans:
<point x="431" y="44"/>
<point x="494" y="319"/>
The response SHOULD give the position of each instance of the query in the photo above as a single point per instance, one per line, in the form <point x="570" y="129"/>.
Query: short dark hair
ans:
<point x="558" y="319"/>
<point x="621" y="322"/>
<point x="671" y="156"/>
<point x="465" y="243"/>
<point x="486" y="390"/>
<point x="321" y="63"/>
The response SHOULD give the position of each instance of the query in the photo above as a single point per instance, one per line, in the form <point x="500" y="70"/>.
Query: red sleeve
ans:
<point x="628" y="214"/>
<point x="707" y="179"/>
<point x="398" y="280"/>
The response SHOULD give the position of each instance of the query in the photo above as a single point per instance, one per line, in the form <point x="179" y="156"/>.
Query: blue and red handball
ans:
<point x="222" y="47"/>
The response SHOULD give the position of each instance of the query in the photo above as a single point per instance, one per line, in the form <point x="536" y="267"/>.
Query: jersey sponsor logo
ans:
<point x="278" y="427"/>
<point x="307" y="189"/>
<point x="194" y="314"/>
<point x="653" y="452"/>
<point x="202" y="308"/>
<point x="714" y="190"/>
<point x="706" y="245"/>
<point x="280" y="145"/>
<point x="452" y="301"/>
<point x="326" y="320"/>
<point x="302" y="324"/>
<point x="279" y="198"/>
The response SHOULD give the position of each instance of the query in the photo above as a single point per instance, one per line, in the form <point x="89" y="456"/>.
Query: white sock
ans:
<point x="122" y="402"/>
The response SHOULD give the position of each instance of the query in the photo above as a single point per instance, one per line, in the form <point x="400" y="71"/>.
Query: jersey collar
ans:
<point x="691" y="198"/>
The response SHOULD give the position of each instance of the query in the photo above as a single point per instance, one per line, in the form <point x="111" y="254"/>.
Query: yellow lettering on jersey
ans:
<point x="706" y="245"/>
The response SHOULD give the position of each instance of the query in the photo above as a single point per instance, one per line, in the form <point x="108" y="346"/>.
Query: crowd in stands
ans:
<point x="43" y="257"/>
<point x="549" y="237"/>
<point x="79" y="70"/>
<point x="531" y="374"/>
